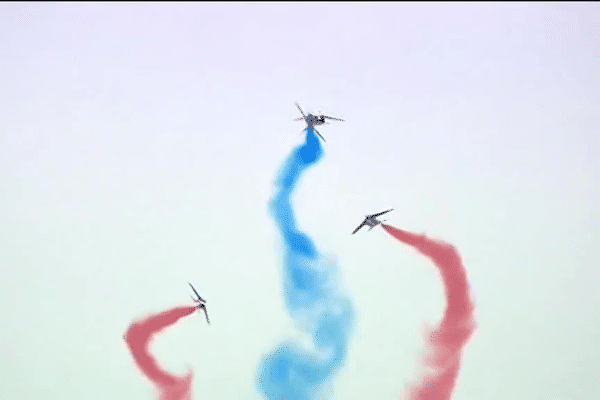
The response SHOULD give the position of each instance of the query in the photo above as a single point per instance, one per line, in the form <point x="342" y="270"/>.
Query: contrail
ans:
<point x="138" y="337"/>
<point x="312" y="298"/>
<point x="443" y="355"/>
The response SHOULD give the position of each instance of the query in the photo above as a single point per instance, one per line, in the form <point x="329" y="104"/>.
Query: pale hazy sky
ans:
<point x="139" y="144"/>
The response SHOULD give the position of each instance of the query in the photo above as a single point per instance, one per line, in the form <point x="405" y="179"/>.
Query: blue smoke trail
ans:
<point x="312" y="298"/>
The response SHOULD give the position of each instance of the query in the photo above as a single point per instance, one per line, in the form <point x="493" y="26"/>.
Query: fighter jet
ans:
<point x="371" y="220"/>
<point x="201" y="302"/>
<point x="313" y="120"/>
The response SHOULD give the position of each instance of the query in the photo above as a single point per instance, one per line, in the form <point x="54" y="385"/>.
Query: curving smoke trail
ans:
<point x="442" y="360"/>
<point x="311" y="296"/>
<point x="138" y="337"/>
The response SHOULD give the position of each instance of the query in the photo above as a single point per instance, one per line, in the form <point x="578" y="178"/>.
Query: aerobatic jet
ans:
<point x="313" y="120"/>
<point x="371" y="220"/>
<point x="201" y="302"/>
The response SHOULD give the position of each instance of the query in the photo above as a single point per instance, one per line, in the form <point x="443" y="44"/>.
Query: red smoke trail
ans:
<point x="138" y="337"/>
<point x="457" y="325"/>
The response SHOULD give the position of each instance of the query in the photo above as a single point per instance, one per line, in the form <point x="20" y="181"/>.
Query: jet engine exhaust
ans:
<point x="311" y="295"/>
<point x="443" y="355"/>
<point x="138" y="338"/>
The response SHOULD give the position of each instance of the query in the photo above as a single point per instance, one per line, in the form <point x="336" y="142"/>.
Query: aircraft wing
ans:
<point x="321" y="136"/>
<point x="316" y="131"/>
<point x="199" y="298"/>
<point x="381" y="213"/>
<point x="360" y="226"/>
<point x="337" y="119"/>
<point x="206" y="313"/>
<point x="302" y="112"/>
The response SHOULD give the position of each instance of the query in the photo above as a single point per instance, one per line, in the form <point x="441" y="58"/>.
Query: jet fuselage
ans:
<point x="315" y="120"/>
<point x="372" y="222"/>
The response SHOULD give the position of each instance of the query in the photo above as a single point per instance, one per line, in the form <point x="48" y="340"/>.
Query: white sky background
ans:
<point x="139" y="144"/>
